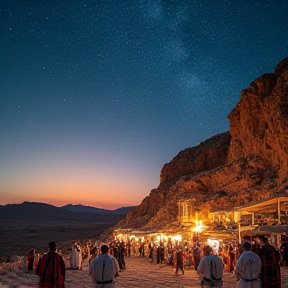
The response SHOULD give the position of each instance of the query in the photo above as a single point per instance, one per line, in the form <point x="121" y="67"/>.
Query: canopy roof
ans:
<point x="255" y="207"/>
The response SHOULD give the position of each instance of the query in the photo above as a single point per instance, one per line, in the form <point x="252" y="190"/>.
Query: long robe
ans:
<point x="103" y="271"/>
<point x="248" y="267"/>
<point x="270" y="271"/>
<point x="210" y="271"/>
<point x="51" y="270"/>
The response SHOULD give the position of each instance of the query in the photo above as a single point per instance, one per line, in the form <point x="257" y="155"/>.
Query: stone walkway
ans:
<point x="140" y="273"/>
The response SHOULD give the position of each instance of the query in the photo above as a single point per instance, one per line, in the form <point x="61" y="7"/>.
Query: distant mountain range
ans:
<point x="38" y="211"/>
<point x="83" y="208"/>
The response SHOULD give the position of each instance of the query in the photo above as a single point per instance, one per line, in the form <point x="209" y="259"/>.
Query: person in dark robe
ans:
<point x="270" y="270"/>
<point x="162" y="253"/>
<point x="232" y="258"/>
<point x="179" y="258"/>
<point x="196" y="256"/>
<point x="158" y="254"/>
<point x="121" y="255"/>
<point x="30" y="259"/>
<point x="51" y="269"/>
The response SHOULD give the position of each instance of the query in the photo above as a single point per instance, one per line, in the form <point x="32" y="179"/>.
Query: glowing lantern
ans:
<point x="199" y="227"/>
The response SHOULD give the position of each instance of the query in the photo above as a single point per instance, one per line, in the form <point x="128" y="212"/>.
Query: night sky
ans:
<point x="96" y="96"/>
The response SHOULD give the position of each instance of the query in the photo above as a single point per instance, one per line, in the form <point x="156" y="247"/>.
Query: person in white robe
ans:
<point x="73" y="257"/>
<point x="210" y="269"/>
<point x="78" y="258"/>
<point x="248" y="268"/>
<point x="104" y="269"/>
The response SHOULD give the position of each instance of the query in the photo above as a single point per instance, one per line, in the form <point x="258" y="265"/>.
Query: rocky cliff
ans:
<point x="258" y="123"/>
<point x="247" y="163"/>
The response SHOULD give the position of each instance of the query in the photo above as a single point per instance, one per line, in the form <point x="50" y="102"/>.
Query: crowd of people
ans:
<point x="256" y="265"/>
<point x="179" y="255"/>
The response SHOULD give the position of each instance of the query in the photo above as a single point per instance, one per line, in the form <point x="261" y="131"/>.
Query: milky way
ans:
<point x="96" y="96"/>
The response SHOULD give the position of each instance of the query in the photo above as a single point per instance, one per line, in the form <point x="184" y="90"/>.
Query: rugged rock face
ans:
<point x="250" y="162"/>
<point x="258" y="123"/>
<point x="208" y="155"/>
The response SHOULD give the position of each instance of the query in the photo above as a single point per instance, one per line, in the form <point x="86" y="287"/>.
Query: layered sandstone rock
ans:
<point x="248" y="163"/>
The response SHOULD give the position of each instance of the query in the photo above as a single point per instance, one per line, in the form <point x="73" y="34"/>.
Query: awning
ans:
<point x="265" y="230"/>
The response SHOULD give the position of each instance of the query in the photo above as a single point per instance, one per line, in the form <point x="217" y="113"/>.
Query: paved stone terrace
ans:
<point x="140" y="273"/>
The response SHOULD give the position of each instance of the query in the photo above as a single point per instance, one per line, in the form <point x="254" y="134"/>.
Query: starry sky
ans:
<point x="97" y="95"/>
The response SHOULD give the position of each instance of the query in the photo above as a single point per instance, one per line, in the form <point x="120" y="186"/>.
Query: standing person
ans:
<point x="129" y="248"/>
<point x="179" y="258"/>
<point x="51" y="269"/>
<point x="224" y="256"/>
<point x="73" y="257"/>
<point x="232" y="258"/>
<point x="270" y="258"/>
<point x="93" y="254"/>
<point x="210" y="269"/>
<point x="162" y="253"/>
<point x="121" y="255"/>
<point x="190" y="259"/>
<point x="104" y="269"/>
<point x="196" y="255"/>
<point x="151" y="251"/>
<point x="248" y="268"/>
<point x="158" y="254"/>
<point x="141" y="250"/>
<point x="78" y="257"/>
<point x="30" y="259"/>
